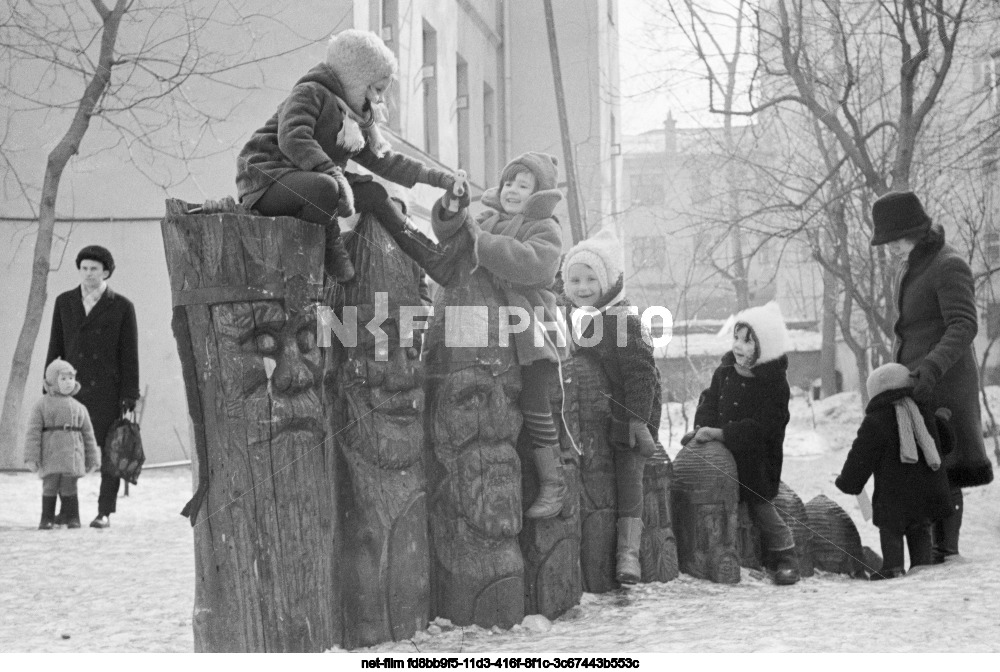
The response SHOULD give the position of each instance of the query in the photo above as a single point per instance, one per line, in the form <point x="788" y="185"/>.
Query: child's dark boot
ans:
<point x="48" y="512"/>
<point x="336" y="259"/>
<point x="71" y="511"/>
<point x="786" y="569"/>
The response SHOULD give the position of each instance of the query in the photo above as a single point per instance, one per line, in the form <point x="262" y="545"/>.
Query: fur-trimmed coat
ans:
<point x="103" y="347"/>
<point x="302" y="135"/>
<point x="60" y="437"/>
<point x="752" y="414"/>
<point x="905" y="493"/>
<point x="936" y="325"/>
<point x="522" y="253"/>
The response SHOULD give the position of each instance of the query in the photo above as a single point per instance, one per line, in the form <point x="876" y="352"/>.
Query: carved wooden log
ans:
<point x="377" y="403"/>
<point x="749" y="545"/>
<point x="598" y="515"/>
<point x="705" y="498"/>
<point x="836" y="544"/>
<point x="793" y="512"/>
<point x="658" y="551"/>
<point x="473" y="472"/>
<point x="265" y="537"/>
<point x="551" y="546"/>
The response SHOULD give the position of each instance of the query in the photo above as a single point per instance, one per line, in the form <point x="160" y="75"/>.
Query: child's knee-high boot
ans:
<point x="336" y="259"/>
<point x="545" y="439"/>
<point x="946" y="531"/>
<point x="627" y="560"/>
<point x="71" y="511"/>
<point x="48" y="512"/>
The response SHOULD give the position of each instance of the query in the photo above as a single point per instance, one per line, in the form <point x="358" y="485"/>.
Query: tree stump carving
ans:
<point x="836" y="544"/>
<point x="473" y="472"/>
<point x="705" y="498"/>
<point x="551" y="546"/>
<point x="264" y="517"/>
<point x="793" y="512"/>
<point x="376" y="398"/>
<point x="658" y="552"/>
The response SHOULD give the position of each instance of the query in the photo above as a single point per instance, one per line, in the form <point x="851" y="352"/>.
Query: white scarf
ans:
<point x="90" y="299"/>
<point x="357" y="131"/>
<point x="912" y="432"/>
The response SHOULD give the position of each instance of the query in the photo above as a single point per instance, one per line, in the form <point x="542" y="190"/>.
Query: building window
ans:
<point x="991" y="243"/>
<point x="649" y="252"/>
<point x="429" y="76"/>
<point x="390" y="26"/>
<point x="647" y="189"/>
<point x="992" y="321"/>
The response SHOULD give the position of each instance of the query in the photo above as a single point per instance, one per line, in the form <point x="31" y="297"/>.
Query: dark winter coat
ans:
<point x="631" y="371"/>
<point x="752" y="414"/>
<point x="103" y="347"/>
<point x="904" y="493"/>
<point x="302" y="136"/>
<point x="936" y="324"/>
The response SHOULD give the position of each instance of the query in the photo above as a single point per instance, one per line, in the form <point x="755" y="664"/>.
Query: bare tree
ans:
<point x="132" y="65"/>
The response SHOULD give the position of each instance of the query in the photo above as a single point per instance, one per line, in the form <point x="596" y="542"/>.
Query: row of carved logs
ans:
<point x="348" y="495"/>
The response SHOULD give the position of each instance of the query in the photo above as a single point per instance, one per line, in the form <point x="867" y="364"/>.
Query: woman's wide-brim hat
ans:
<point x="898" y="214"/>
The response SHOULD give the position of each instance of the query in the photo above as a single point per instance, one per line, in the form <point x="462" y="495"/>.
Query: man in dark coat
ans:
<point x="933" y="334"/>
<point x="94" y="329"/>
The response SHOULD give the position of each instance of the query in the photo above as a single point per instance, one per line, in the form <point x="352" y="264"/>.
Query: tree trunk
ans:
<point x="37" y="292"/>
<point x="828" y="347"/>
<point x="265" y="535"/>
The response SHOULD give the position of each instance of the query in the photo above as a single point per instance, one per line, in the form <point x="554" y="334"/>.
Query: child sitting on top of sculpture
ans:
<point x="901" y="443"/>
<point x="294" y="164"/>
<point x="519" y="242"/>
<point x="746" y="409"/>
<point x="593" y="279"/>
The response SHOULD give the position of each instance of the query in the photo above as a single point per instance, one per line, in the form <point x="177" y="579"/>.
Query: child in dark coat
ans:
<point x="901" y="443"/>
<point x="593" y="280"/>
<point x="60" y="444"/>
<point x="294" y="164"/>
<point x="746" y="409"/>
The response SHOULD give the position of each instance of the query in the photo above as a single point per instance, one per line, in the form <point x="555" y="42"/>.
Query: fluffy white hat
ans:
<point x="603" y="253"/>
<point x="891" y="376"/>
<point x="768" y="327"/>
<point x="360" y="58"/>
<point x="52" y="371"/>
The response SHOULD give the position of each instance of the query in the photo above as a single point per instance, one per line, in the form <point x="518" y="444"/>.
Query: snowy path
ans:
<point x="131" y="588"/>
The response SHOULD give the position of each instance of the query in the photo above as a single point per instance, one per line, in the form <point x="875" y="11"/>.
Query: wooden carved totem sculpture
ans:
<point x="598" y="515"/>
<point x="376" y="399"/>
<point x="836" y="544"/>
<point x="705" y="496"/>
<point x="264" y="515"/>
<point x="658" y="552"/>
<point x="473" y="472"/>
<point x="551" y="546"/>
<point x="793" y="512"/>
<point x="749" y="546"/>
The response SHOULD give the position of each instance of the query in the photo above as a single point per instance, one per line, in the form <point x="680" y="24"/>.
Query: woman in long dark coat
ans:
<point x="933" y="334"/>
<point x="94" y="329"/>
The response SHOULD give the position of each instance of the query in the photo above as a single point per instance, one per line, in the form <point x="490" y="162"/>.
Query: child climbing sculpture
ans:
<point x="294" y="164"/>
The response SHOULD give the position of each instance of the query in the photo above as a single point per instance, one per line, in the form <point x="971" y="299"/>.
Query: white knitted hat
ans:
<point x="603" y="253"/>
<point x="768" y="327"/>
<point x="891" y="376"/>
<point x="360" y="58"/>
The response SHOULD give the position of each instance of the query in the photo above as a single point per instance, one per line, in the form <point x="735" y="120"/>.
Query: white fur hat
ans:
<point x="603" y="253"/>
<point x="768" y="327"/>
<point x="360" y="58"/>
<point x="891" y="376"/>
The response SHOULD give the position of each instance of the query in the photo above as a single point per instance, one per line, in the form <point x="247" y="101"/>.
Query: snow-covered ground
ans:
<point x="131" y="587"/>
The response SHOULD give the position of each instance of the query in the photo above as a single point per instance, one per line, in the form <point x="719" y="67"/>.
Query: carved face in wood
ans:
<point x="382" y="379"/>
<point x="271" y="367"/>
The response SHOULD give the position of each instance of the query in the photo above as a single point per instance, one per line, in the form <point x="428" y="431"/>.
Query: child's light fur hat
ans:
<point x="603" y="253"/>
<point x="891" y="376"/>
<point x="768" y="329"/>
<point x="360" y="58"/>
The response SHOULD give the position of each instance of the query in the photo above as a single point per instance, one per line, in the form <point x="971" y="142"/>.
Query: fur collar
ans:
<point x="540" y="205"/>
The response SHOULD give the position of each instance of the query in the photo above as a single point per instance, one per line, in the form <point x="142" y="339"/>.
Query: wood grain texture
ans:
<point x="658" y="550"/>
<point x="836" y="544"/>
<point x="265" y="535"/>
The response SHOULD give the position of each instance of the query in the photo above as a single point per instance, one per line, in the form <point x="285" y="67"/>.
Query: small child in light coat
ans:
<point x="60" y="444"/>
<point x="593" y="278"/>
<point x="901" y="444"/>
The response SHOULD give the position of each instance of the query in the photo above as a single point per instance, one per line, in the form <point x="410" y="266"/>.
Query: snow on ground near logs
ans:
<point x="131" y="587"/>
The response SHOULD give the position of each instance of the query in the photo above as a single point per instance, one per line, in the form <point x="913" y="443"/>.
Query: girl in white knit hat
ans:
<point x="594" y="282"/>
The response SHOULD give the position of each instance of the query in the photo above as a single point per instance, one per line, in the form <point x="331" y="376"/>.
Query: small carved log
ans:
<point x="705" y="498"/>
<point x="551" y="546"/>
<point x="265" y="538"/>
<point x="836" y="544"/>
<point x="749" y="544"/>
<point x="377" y="402"/>
<point x="793" y="512"/>
<point x="473" y="472"/>
<point x="658" y="552"/>
<point x="598" y="514"/>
